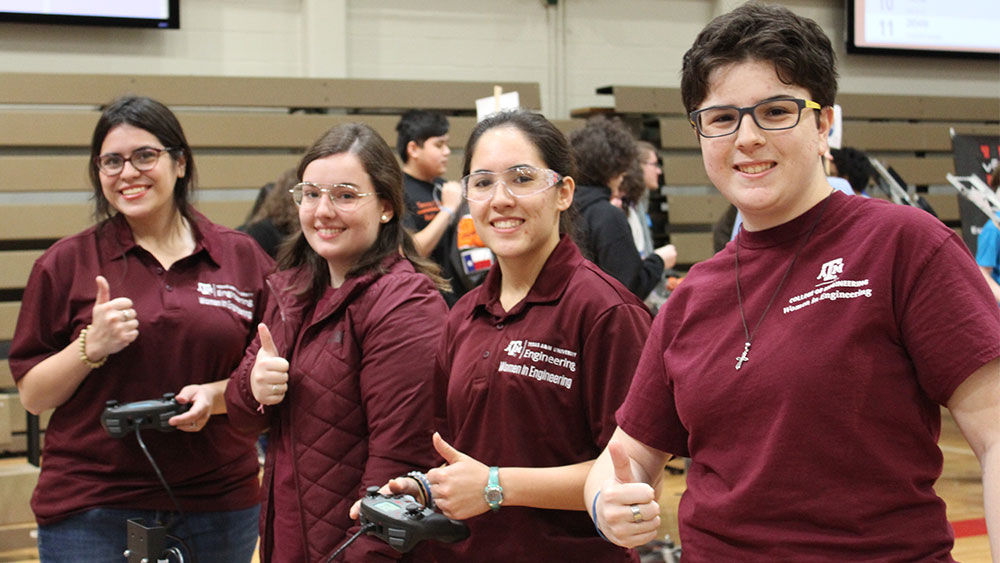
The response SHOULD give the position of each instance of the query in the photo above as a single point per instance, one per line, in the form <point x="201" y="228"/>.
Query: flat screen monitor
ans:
<point x="161" y="14"/>
<point x="968" y="28"/>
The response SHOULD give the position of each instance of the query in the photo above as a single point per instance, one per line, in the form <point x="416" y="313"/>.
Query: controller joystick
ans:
<point x="402" y="522"/>
<point x="120" y="419"/>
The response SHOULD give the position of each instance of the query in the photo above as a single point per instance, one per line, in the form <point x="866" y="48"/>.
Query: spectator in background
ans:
<point x="988" y="246"/>
<point x="422" y="145"/>
<point x="604" y="150"/>
<point x="642" y="177"/>
<point x="852" y="165"/>
<point x="276" y="217"/>
<point x="342" y="369"/>
<point x="174" y="305"/>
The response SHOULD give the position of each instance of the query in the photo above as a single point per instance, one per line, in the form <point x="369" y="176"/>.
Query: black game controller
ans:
<point x="119" y="420"/>
<point x="402" y="523"/>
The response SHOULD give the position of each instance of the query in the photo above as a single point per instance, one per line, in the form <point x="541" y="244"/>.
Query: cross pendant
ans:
<point x="743" y="358"/>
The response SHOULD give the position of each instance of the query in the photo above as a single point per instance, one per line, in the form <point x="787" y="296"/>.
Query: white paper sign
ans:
<point x="836" y="136"/>
<point x="488" y="106"/>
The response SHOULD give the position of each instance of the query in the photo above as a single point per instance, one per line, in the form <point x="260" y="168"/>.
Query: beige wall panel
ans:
<point x="945" y="205"/>
<point x="35" y="221"/>
<point x="97" y="89"/>
<point x="692" y="247"/>
<point x="677" y="133"/>
<point x="696" y="209"/>
<point x="16" y="267"/>
<point x="17" y="482"/>
<point x="7" y="411"/>
<point x="943" y="108"/>
<point x="917" y="171"/>
<point x="915" y="137"/>
<point x="645" y="99"/>
<point x="32" y="221"/>
<point x="47" y="128"/>
<point x="6" y="379"/>
<point x="19" y="445"/>
<point x="241" y="171"/>
<point x="684" y="170"/>
<point x="17" y="417"/>
<point x="8" y="318"/>
<point x="19" y="536"/>
<point x="43" y="173"/>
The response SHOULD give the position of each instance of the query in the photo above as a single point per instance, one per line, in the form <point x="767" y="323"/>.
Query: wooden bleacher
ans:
<point x="244" y="132"/>
<point x="909" y="133"/>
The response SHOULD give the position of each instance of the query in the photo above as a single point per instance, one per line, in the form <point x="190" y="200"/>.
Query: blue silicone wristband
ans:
<point x="593" y="516"/>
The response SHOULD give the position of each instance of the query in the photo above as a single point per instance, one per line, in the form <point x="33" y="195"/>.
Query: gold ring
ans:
<point x="124" y="316"/>
<point x="274" y="388"/>
<point x="636" y="514"/>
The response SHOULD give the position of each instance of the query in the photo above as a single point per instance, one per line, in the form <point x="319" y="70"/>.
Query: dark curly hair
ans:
<point x="603" y="148"/>
<point x="853" y="165"/>
<point x="797" y="47"/>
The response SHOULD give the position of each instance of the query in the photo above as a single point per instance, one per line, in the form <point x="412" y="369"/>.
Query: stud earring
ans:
<point x="385" y="217"/>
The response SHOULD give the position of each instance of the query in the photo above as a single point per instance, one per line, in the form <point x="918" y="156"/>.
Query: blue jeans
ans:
<point x="99" y="535"/>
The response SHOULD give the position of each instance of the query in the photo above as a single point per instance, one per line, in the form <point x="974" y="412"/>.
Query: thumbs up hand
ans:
<point x="458" y="486"/>
<point x="269" y="376"/>
<point x="626" y="511"/>
<point x="114" y="324"/>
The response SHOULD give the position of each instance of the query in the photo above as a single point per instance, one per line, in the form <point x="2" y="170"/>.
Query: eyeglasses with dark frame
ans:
<point x="344" y="197"/>
<point x="769" y="115"/>
<point x="142" y="159"/>
<point x="519" y="181"/>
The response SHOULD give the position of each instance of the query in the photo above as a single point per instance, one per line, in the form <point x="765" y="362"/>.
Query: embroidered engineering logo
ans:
<point x="553" y="358"/>
<point x="227" y="297"/>
<point x="830" y="288"/>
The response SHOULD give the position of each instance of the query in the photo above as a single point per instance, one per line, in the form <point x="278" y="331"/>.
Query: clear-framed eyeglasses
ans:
<point x="769" y="115"/>
<point x="520" y="181"/>
<point x="344" y="197"/>
<point x="142" y="160"/>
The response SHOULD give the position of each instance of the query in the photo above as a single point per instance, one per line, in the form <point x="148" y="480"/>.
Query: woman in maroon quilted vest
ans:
<point x="341" y="371"/>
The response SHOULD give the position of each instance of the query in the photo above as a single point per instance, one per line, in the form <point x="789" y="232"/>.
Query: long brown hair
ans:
<point x="381" y="166"/>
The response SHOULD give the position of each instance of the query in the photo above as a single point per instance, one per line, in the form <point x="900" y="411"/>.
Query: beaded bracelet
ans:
<point x="425" y="487"/>
<point x="83" y="351"/>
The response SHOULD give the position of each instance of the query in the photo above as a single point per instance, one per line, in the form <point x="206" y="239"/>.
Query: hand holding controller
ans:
<point x="119" y="420"/>
<point x="402" y="523"/>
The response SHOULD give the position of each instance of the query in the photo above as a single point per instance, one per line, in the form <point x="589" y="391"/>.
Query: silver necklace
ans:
<point x="745" y="357"/>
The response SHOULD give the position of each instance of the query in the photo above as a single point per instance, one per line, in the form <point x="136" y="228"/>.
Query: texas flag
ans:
<point x="476" y="260"/>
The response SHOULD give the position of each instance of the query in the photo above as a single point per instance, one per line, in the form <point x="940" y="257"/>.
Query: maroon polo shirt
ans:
<point x="195" y="320"/>
<point x="537" y="386"/>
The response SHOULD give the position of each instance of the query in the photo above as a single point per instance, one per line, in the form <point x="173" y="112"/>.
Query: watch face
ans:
<point x="494" y="495"/>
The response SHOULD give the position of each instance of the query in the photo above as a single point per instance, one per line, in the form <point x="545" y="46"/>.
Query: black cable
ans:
<point x="363" y="529"/>
<point x="170" y="493"/>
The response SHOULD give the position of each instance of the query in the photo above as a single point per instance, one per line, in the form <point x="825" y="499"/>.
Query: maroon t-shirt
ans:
<point x="823" y="446"/>
<point x="195" y="320"/>
<point x="537" y="386"/>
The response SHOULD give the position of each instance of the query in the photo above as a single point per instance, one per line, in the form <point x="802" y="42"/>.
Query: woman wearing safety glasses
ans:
<point x="342" y="369"/>
<point x="154" y="299"/>
<point x="533" y="362"/>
